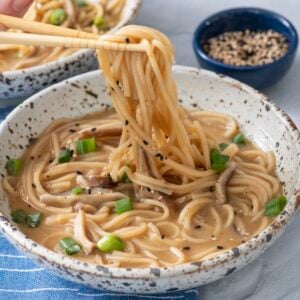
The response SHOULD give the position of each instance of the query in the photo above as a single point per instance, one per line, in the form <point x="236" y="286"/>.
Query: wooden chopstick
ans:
<point x="64" y="37"/>
<point x="42" y="28"/>
<point x="66" y="42"/>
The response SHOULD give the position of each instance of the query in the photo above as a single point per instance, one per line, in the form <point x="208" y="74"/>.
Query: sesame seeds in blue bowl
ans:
<point x="253" y="45"/>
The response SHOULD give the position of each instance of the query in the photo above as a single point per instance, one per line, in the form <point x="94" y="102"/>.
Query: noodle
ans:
<point x="80" y="15"/>
<point x="152" y="150"/>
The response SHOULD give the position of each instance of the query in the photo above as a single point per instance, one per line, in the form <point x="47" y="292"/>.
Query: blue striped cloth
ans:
<point x="20" y="278"/>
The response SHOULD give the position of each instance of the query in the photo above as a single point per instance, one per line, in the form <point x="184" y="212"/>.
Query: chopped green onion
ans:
<point x="100" y="23"/>
<point x="110" y="243"/>
<point x="218" y="160"/>
<point x="223" y="146"/>
<point x="69" y="246"/>
<point x="86" y="146"/>
<point x="14" y="167"/>
<point x="33" y="220"/>
<point x="275" y="206"/>
<point x="19" y="216"/>
<point x="125" y="178"/>
<point x="64" y="156"/>
<point x="80" y="3"/>
<point x="58" y="16"/>
<point x="239" y="139"/>
<point x="123" y="205"/>
<point x="77" y="190"/>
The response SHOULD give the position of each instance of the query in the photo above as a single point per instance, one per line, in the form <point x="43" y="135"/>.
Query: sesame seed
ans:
<point x="186" y="248"/>
<point x="247" y="48"/>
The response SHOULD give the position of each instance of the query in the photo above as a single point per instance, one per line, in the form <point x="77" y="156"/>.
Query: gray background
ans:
<point x="275" y="274"/>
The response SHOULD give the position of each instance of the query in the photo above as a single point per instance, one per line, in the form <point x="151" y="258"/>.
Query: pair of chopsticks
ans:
<point x="43" y="35"/>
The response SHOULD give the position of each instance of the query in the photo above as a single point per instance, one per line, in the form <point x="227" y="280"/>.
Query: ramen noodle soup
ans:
<point x="148" y="183"/>
<point x="93" y="16"/>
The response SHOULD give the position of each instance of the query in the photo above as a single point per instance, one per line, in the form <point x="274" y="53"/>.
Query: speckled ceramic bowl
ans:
<point x="260" y="119"/>
<point x="18" y="85"/>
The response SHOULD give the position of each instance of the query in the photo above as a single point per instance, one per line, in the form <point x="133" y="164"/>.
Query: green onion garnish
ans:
<point x="239" y="139"/>
<point x="64" y="156"/>
<point x="58" y="16"/>
<point x="86" y="146"/>
<point x="110" y="243"/>
<point x="19" y="216"/>
<point x="77" y="190"/>
<point x="125" y="178"/>
<point x="14" y="167"/>
<point x="275" y="206"/>
<point x="223" y="146"/>
<point x="69" y="246"/>
<point x="218" y="160"/>
<point x="123" y="205"/>
<point x="33" y="220"/>
<point x="100" y="23"/>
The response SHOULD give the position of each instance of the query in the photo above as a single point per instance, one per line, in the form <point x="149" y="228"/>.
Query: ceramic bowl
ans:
<point x="240" y="19"/>
<point x="16" y="86"/>
<point x="260" y="119"/>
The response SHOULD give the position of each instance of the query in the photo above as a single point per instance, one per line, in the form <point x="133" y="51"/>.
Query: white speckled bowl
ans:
<point x="18" y="85"/>
<point x="260" y="119"/>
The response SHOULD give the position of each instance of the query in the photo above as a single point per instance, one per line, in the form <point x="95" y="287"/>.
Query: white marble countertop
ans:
<point x="275" y="274"/>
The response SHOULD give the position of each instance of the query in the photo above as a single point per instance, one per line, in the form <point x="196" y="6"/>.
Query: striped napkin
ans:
<point x="20" y="278"/>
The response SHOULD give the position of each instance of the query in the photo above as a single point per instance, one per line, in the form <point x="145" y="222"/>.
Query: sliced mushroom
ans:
<point x="221" y="183"/>
<point x="101" y="181"/>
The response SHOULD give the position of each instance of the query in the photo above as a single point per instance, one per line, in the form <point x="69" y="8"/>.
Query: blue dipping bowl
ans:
<point x="241" y="19"/>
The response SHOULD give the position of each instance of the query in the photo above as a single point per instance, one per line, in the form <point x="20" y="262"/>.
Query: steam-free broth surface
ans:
<point x="154" y="232"/>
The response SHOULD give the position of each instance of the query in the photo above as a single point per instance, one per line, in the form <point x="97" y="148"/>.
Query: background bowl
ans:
<point x="16" y="86"/>
<point x="241" y="19"/>
<point x="261" y="120"/>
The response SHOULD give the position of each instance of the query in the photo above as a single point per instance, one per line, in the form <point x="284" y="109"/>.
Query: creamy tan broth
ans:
<point x="154" y="246"/>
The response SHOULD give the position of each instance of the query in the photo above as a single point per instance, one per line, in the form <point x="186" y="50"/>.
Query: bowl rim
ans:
<point x="135" y="6"/>
<point x="57" y="259"/>
<point x="198" y="49"/>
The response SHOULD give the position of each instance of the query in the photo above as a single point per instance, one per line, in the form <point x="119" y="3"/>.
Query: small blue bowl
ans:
<point x="240" y="19"/>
